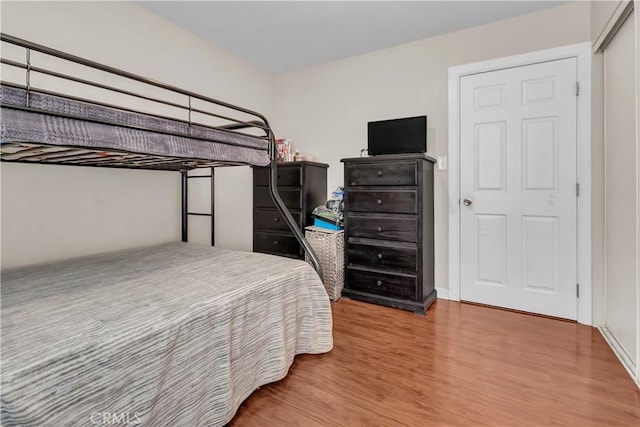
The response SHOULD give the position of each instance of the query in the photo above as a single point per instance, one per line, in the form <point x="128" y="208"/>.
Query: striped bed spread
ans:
<point x="171" y="335"/>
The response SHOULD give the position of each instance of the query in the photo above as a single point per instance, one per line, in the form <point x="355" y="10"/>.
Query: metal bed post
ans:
<point x="28" y="77"/>
<point x="185" y="217"/>
<point x="213" y="206"/>
<point x="273" y="189"/>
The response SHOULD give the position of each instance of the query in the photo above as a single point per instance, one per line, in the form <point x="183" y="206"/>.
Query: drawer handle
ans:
<point x="379" y="229"/>
<point x="379" y="201"/>
<point x="276" y="243"/>
<point x="379" y="173"/>
<point x="379" y="282"/>
<point x="379" y="255"/>
<point x="276" y="219"/>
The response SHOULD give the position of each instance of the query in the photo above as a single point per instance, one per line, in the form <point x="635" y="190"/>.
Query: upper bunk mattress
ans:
<point x="175" y="334"/>
<point x="58" y="121"/>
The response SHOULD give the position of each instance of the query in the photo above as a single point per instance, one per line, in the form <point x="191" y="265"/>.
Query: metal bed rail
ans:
<point x="259" y="122"/>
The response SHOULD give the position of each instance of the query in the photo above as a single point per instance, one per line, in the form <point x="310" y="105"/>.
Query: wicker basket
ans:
<point x="329" y="246"/>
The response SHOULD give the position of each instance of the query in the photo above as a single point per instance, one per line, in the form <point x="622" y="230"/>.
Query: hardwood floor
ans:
<point x="461" y="365"/>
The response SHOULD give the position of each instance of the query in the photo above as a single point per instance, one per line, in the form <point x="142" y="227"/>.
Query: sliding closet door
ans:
<point x="621" y="190"/>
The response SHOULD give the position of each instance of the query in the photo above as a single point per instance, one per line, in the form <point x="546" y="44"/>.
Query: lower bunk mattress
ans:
<point x="171" y="335"/>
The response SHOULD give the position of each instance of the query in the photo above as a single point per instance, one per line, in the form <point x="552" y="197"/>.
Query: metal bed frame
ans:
<point x="42" y="154"/>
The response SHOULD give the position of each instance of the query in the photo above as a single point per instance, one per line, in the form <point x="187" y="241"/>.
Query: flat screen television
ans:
<point x="397" y="136"/>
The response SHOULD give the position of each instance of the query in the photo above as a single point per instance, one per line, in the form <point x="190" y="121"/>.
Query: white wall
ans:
<point x="41" y="221"/>
<point x="53" y="212"/>
<point x="325" y="109"/>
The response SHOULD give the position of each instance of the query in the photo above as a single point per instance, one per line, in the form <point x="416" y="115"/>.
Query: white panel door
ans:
<point x="518" y="188"/>
<point x="621" y="193"/>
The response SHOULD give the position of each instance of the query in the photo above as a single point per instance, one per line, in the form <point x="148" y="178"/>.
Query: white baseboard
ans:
<point x="443" y="293"/>
<point x="620" y="353"/>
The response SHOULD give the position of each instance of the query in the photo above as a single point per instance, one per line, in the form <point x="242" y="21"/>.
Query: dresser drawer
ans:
<point x="400" y="173"/>
<point x="292" y="198"/>
<point x="279" y="243"/>
<point x="271" y="219"/>
<point x="383" y="256"/>
<point x="389" y="285"/>
<point x="287" y="176"/>
<point x="391" y="201"/>
<point x="371" y="227"/>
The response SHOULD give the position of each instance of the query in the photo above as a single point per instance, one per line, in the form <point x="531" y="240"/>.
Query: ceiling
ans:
<point x="281" y="36"/>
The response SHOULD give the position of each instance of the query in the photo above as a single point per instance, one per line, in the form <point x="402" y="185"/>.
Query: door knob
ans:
<point x="467" y="202"/>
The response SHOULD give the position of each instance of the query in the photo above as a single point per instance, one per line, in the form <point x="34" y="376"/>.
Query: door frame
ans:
<point x="582" y="53"/>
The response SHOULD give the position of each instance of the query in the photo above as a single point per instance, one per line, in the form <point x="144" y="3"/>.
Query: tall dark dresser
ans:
<point x="302" y="186"/>
<point x="389" y="230"/>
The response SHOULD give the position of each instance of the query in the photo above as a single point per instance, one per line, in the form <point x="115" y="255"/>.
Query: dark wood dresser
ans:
<point x="302" y="186"/>
<point x="389" y="230"/>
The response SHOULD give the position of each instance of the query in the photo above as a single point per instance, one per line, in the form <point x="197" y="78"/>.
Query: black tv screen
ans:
<point x="397" y="136"/>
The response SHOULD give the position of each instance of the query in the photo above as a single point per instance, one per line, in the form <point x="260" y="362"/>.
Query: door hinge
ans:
<point x="577" y="290"/>
<point x="577" y="88"/>
<point x="577" y="189"/>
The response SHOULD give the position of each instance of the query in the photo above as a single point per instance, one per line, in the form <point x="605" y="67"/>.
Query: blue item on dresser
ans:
<point x="325" y="224"/>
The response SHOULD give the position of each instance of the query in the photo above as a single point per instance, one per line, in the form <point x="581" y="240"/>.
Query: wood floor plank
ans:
<point x="461" y="365"/>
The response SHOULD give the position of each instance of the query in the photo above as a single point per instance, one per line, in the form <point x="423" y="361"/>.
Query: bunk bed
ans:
<point x="174" y="334"/>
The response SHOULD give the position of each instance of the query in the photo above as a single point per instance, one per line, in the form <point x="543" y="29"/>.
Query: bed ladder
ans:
<point x="185" y="204"/>
<point x="273" y="189"/>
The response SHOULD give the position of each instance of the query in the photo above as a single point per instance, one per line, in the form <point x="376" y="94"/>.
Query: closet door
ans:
<point x="621" y="192"/>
